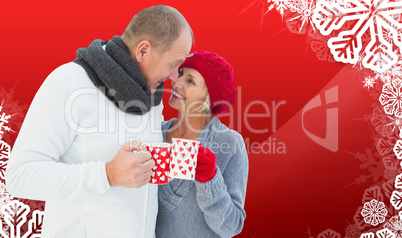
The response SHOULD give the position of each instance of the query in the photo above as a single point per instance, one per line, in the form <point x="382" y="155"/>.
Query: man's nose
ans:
<point x="174" y="75"/>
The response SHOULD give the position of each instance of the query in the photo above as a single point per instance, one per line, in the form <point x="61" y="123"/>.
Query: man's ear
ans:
<point x="142" y="50"/>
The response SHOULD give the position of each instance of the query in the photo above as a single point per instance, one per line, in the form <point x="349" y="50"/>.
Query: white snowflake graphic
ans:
<point x="385" y="124"/>
<point x="304" y="10"/>
<point x="398" y="149"/>
<point x="4" y="119"/>
<point x="388" y="36"/>
<point x="395" y="72"/>
<point x="385" y="146"/>
<point x="4" y="195"/>
<point x="385" y="77"/>
<point x="374" y="212"/>
<point x="13" y="213"/>
<point x="391" y="98"/>
<point x="398" y="181"/>
<point x="367" y="235"/>
<point x="385" y="233"/>
<point x="360" y="60"/>
<point x="395" y="225"/>
<point x="396" y="200"/>
<point x="268" y="5"/>
<point x="328" y="233"/>
<point x="280" y="6"/>
<point x="5" y="150"/>
<point x="15" y="216"/>
<point x="369" y="82"/>
<point x="352" y="231"/>
<point x="396" y="122"/>
<point x="371" y="17"/>
<point x="15" y="113"/>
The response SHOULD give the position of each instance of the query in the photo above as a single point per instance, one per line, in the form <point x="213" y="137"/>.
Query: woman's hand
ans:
<point x="205" y="169"/>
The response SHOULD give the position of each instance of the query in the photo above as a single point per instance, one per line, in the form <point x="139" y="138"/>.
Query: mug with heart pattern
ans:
<point x="161" y="153"/>
<point x="184" y="158"/>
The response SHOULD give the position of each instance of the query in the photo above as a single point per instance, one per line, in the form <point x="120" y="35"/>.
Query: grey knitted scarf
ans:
<point x="118" y="76"/>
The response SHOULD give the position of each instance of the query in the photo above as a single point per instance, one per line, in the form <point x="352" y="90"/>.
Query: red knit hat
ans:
<point x="218" y="76"/>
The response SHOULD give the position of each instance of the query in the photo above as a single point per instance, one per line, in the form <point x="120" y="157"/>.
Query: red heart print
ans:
<point x="194" y="163"/>
<point x="175" y="154"/>
<point x="181" y="149"/>
<point x="184" y="172"/>
<point x="184" y="143"/>
<point x="192" y="155"/>
<point x="189" y="149"/>
<point x="187" y="161"/>
<point x="178" y="161"/>
<point x="180" y="167"/>
<point x="172" y="165"/>
<point x="175" y="173"/>
<point x="192" y="176"/>
<point x="183" y="155"/>
<point x="190" y="168"/>
<point x="194" y="143"/>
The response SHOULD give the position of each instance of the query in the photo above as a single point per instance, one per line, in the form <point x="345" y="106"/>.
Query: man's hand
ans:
<point x="130" y="169"/>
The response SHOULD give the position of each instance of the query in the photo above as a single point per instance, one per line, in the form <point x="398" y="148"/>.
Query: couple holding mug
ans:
<point x="96" y="187"/>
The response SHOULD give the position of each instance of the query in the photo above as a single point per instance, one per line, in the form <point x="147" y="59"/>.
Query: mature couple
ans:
<point x="94" y="177"/>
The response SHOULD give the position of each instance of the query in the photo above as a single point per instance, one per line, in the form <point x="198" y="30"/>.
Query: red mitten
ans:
<point x="205" y="169"/>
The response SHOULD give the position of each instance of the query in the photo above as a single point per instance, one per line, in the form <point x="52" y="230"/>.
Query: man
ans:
<point x="76" y="149"/>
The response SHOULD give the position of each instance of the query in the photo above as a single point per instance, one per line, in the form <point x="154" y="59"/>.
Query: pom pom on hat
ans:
<point x="218" y="76"/>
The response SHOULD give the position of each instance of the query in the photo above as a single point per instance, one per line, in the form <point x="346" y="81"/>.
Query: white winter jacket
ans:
<point x="70" y="131"/>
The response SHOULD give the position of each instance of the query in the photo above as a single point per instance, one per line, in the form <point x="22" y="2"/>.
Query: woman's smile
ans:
<point x="177" y="95"/>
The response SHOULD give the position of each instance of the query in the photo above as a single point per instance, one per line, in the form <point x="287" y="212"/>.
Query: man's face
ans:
<point x="159" y="68"/>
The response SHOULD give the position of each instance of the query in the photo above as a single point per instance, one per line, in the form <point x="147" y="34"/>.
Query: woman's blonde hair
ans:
<point x="205" y="107"/>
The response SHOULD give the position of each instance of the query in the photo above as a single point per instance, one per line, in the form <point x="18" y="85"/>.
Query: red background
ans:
<point x="287" y="194"/>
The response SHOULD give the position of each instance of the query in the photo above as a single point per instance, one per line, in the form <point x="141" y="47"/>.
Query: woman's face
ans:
<point x="189" y="91"/>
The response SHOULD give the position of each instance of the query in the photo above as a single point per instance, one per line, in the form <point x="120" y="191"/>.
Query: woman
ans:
<point x="213" y="204"/>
